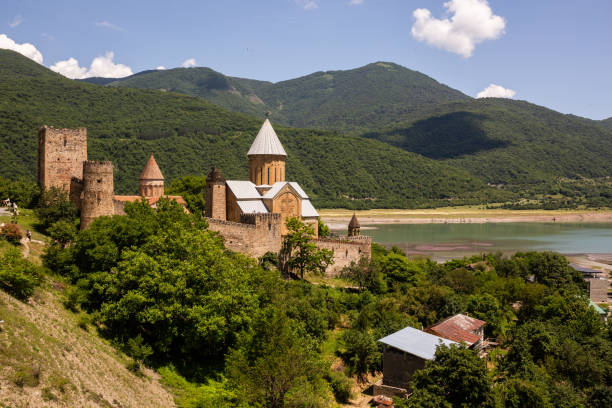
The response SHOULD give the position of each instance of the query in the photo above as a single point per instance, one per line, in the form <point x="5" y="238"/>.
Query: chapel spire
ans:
<point x="151" y="180"/>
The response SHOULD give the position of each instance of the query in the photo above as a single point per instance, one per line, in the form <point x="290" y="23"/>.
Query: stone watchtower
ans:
<point x="266" y="157"/>
<point x="354" y="227"/>
<point x="151" y="180"/>
<point x="61" y="153"/>
<point x="98" y="190"/>
<point x="215" y="195"/>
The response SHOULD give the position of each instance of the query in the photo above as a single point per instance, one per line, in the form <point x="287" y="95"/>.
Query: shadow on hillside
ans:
<point x="442" y="137"/>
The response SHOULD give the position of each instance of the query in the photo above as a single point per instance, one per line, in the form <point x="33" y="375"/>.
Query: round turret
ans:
<point x="151" y="180"/>
<point x="98" y="191"/>
<point x="215" y="195"/>
<point x="354" y="227"/>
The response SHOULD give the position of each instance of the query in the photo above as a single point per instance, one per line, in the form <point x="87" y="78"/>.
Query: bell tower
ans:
<point x="266" y="157"/>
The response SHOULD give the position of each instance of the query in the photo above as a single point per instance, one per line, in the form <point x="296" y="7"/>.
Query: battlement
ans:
<point x="350" y="241"/>
<point x="96" y="164"/>
<point x="215" y="221"/>
<point x="76" y="180"/>
<point x="257" y="219"/>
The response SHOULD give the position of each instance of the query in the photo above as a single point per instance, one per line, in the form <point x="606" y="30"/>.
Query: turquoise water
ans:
<point x="448" y="240"/>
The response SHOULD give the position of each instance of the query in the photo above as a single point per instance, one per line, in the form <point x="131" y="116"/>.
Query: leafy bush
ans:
<point x="12" y="233"/>
<point x="55" y="206"/>
<point x="342" y="386"/>
<point x="18" y="276"/>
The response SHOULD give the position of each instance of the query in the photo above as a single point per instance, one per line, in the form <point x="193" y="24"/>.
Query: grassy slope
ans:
<point x="46" y="360"/>
<point x="188" y="135"/>
<point x="507" y="141"/>
<point x="365" y="97"/>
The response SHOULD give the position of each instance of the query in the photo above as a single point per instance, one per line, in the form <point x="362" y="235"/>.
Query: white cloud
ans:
<point x="70" y="68"/>
<point x="307" y="4"/>
<point x="355" y="2"/>
<point x="191" y="62"/>
<point x="160" y="68"/>
<point x="106" y="24"/>
<point x="16" y="21"/>
<point x="101" y="66"/>
<point x="496" y="91"/>
<point x="471" y="22"/>
<point x="26" y="49"/>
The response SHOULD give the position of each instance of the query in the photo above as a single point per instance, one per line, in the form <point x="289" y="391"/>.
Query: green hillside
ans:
<point x="607" y="123"/>
<point x="188" y="135"/>
<point x="507" y="142"/>
<point x="366" y="97"/>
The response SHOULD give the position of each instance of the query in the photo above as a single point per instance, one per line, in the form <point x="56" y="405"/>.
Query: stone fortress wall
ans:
<point x="61" y="153"/>
<point x="98" y="191"/>
<point x="254" y="235"/>
<point x="346" y="250"/>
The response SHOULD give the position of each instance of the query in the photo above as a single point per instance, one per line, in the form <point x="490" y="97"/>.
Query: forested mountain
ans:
<point x="507" y="141"/>
<point x="607" y="122"/>
<point x="188" y="135"/>
<point x="362" y="98"/>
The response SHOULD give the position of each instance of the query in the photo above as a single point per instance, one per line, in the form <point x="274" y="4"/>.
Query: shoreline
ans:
<point x="336" y="219"/>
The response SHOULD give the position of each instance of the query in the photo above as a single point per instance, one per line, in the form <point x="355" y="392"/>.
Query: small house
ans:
<point x="460" y="328"/>
<point x="405" y="352"/>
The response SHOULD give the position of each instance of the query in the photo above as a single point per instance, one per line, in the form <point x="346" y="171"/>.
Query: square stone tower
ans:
<point x="61" y="154"/>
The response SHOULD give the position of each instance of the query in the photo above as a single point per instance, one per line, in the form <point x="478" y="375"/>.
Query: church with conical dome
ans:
<point x="266" y="191"/>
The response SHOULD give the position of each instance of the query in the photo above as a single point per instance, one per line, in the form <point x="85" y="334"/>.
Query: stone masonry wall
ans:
<point x="98" y="191"/>
<point x="345" y="251"/>
<point x="61" y="153"/>
<point x="251" y="239"/>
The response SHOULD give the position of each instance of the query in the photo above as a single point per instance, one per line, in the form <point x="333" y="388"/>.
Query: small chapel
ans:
<point x="266" y="191"/>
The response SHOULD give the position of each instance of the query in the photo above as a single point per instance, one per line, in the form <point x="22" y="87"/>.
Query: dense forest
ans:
<point x="226" y="330"/>
<point x="188" y="135"/>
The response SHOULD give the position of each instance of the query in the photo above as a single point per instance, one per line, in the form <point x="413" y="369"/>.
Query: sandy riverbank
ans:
<point x="338" y="217"/>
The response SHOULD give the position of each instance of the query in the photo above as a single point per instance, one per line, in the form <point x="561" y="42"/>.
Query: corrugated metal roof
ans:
<point x="243" y="189"/>
<point x="458" y="328"/>
<point x="415" y="342"/>
<point x="267" y="142"/>
<point x="308" y="209"/>
<point x="597" y="308"/>
<point x="252" y="207"/>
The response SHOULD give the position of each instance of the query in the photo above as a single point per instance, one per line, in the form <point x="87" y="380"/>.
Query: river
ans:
<point x="445" y="241"/>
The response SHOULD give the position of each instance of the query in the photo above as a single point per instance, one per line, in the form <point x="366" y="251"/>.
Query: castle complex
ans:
<point x="249" y="214"/>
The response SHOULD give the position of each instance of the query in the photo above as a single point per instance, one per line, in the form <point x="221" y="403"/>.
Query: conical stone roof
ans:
<point x="267" y="142"/>
<point x="354" y="222"/>
<point x="151" y="171"/>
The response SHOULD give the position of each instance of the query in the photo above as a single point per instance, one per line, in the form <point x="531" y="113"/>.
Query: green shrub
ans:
<point x="341" y="386"/>
<point x="73" y="298"/>
<point x="27" y="376"/>
<point x="18" y="276"/>
<point x="83" y="321"/>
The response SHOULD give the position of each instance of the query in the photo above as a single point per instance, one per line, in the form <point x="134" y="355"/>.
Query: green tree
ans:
<point x="55" y="206"/>
<point x="323" y="229"/>
<point x="18" y="276"/>
<point x="456" y="375"/>
<point x="366" y="274"/>
<point x="359" y="351"/>
<point x="276" y="365"/>
<point x="193" y="190"/>
<point x="300" y="253"/>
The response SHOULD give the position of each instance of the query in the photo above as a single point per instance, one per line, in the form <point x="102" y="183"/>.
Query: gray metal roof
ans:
<point x="267" y="142"/>
<point x="308" y="209"/>
<point x="415" y="342"/>
<point x="298" y="189"/>
<point x="252" y="207"/>
<point x="243" y="189"/>
<point x="276" y="187"/>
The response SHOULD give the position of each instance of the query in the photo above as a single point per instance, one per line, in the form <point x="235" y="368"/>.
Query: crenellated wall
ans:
<point x="347" y="250"/>
<point x="255" y="235"/>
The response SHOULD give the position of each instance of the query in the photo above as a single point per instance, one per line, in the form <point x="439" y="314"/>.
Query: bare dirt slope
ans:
<point x="47" y="360"/>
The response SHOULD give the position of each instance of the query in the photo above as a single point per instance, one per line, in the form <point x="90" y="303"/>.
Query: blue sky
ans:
<point x="552" y="53"/>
